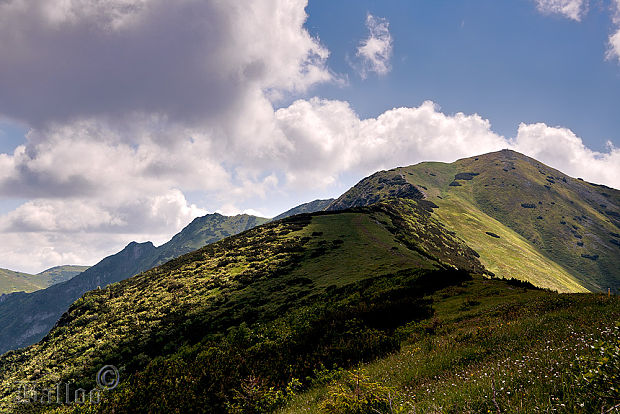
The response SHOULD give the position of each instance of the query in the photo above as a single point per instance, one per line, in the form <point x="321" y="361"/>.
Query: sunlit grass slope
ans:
<point x="525" y="219"/>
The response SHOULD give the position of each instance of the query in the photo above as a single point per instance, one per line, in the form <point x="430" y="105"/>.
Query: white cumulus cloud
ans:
<point x="571" y="9"/>
<point x="375" y="51"/>
<point x="565" y="151"/>
<point x="613" y="52"/>
<point x="327" y="139"/>
<point x="613" y="49"/>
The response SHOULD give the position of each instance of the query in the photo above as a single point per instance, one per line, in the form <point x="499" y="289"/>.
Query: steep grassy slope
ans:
<point x="311" y="207"/>
<point x="280" y="299"/>
<point x="25" y="318"/>
<point x="525" y="219"/>
<point x="11" y="281"/>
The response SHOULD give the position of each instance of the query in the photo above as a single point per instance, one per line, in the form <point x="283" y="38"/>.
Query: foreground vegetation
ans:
<point x="490" y="346"/>
<point x="465" y="345"/>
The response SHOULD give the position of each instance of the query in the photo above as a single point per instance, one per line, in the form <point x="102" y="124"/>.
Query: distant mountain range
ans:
<point x="25" y="318"/>
<point x="11" y="281"/>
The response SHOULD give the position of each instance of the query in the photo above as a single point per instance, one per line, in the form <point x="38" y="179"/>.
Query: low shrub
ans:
<point x="356" y="394"/>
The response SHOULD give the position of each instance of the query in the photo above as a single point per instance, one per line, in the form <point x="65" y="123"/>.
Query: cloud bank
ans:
<point x="80" y="186"/>
<point x="194" y="60"/>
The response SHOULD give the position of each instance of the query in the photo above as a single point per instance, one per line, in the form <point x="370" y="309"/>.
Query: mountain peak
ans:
<point x="137" y="246"/>
<point x="554" y="231"/>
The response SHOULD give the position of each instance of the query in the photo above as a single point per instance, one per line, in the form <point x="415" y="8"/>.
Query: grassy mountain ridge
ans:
<point x="280" y="268"/>
<point x="11" y="281"/>
<point x="525" y="219"/>
<point x="205" y="230"/>
<point x="25" y="319"/>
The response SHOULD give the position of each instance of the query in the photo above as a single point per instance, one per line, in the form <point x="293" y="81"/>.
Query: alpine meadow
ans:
<point x="295" y="206"/>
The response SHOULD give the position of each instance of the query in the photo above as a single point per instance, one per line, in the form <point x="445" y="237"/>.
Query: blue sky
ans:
<point x="501" y="59"/>
<point x="12" y="134"/>
<point x="141" y="115"/>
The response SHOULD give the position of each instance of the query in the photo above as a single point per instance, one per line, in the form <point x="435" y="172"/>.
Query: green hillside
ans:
<point x="25" y="318"/>
<point x="525" y="219"/>
<point x="202" y="231"/>
<point x="11" y="281"/>
<point x="280" y="316"/>
<point x="289" y="273"/>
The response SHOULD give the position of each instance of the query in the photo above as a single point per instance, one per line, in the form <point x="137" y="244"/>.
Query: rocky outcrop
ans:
<point x="379" y="186"/>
